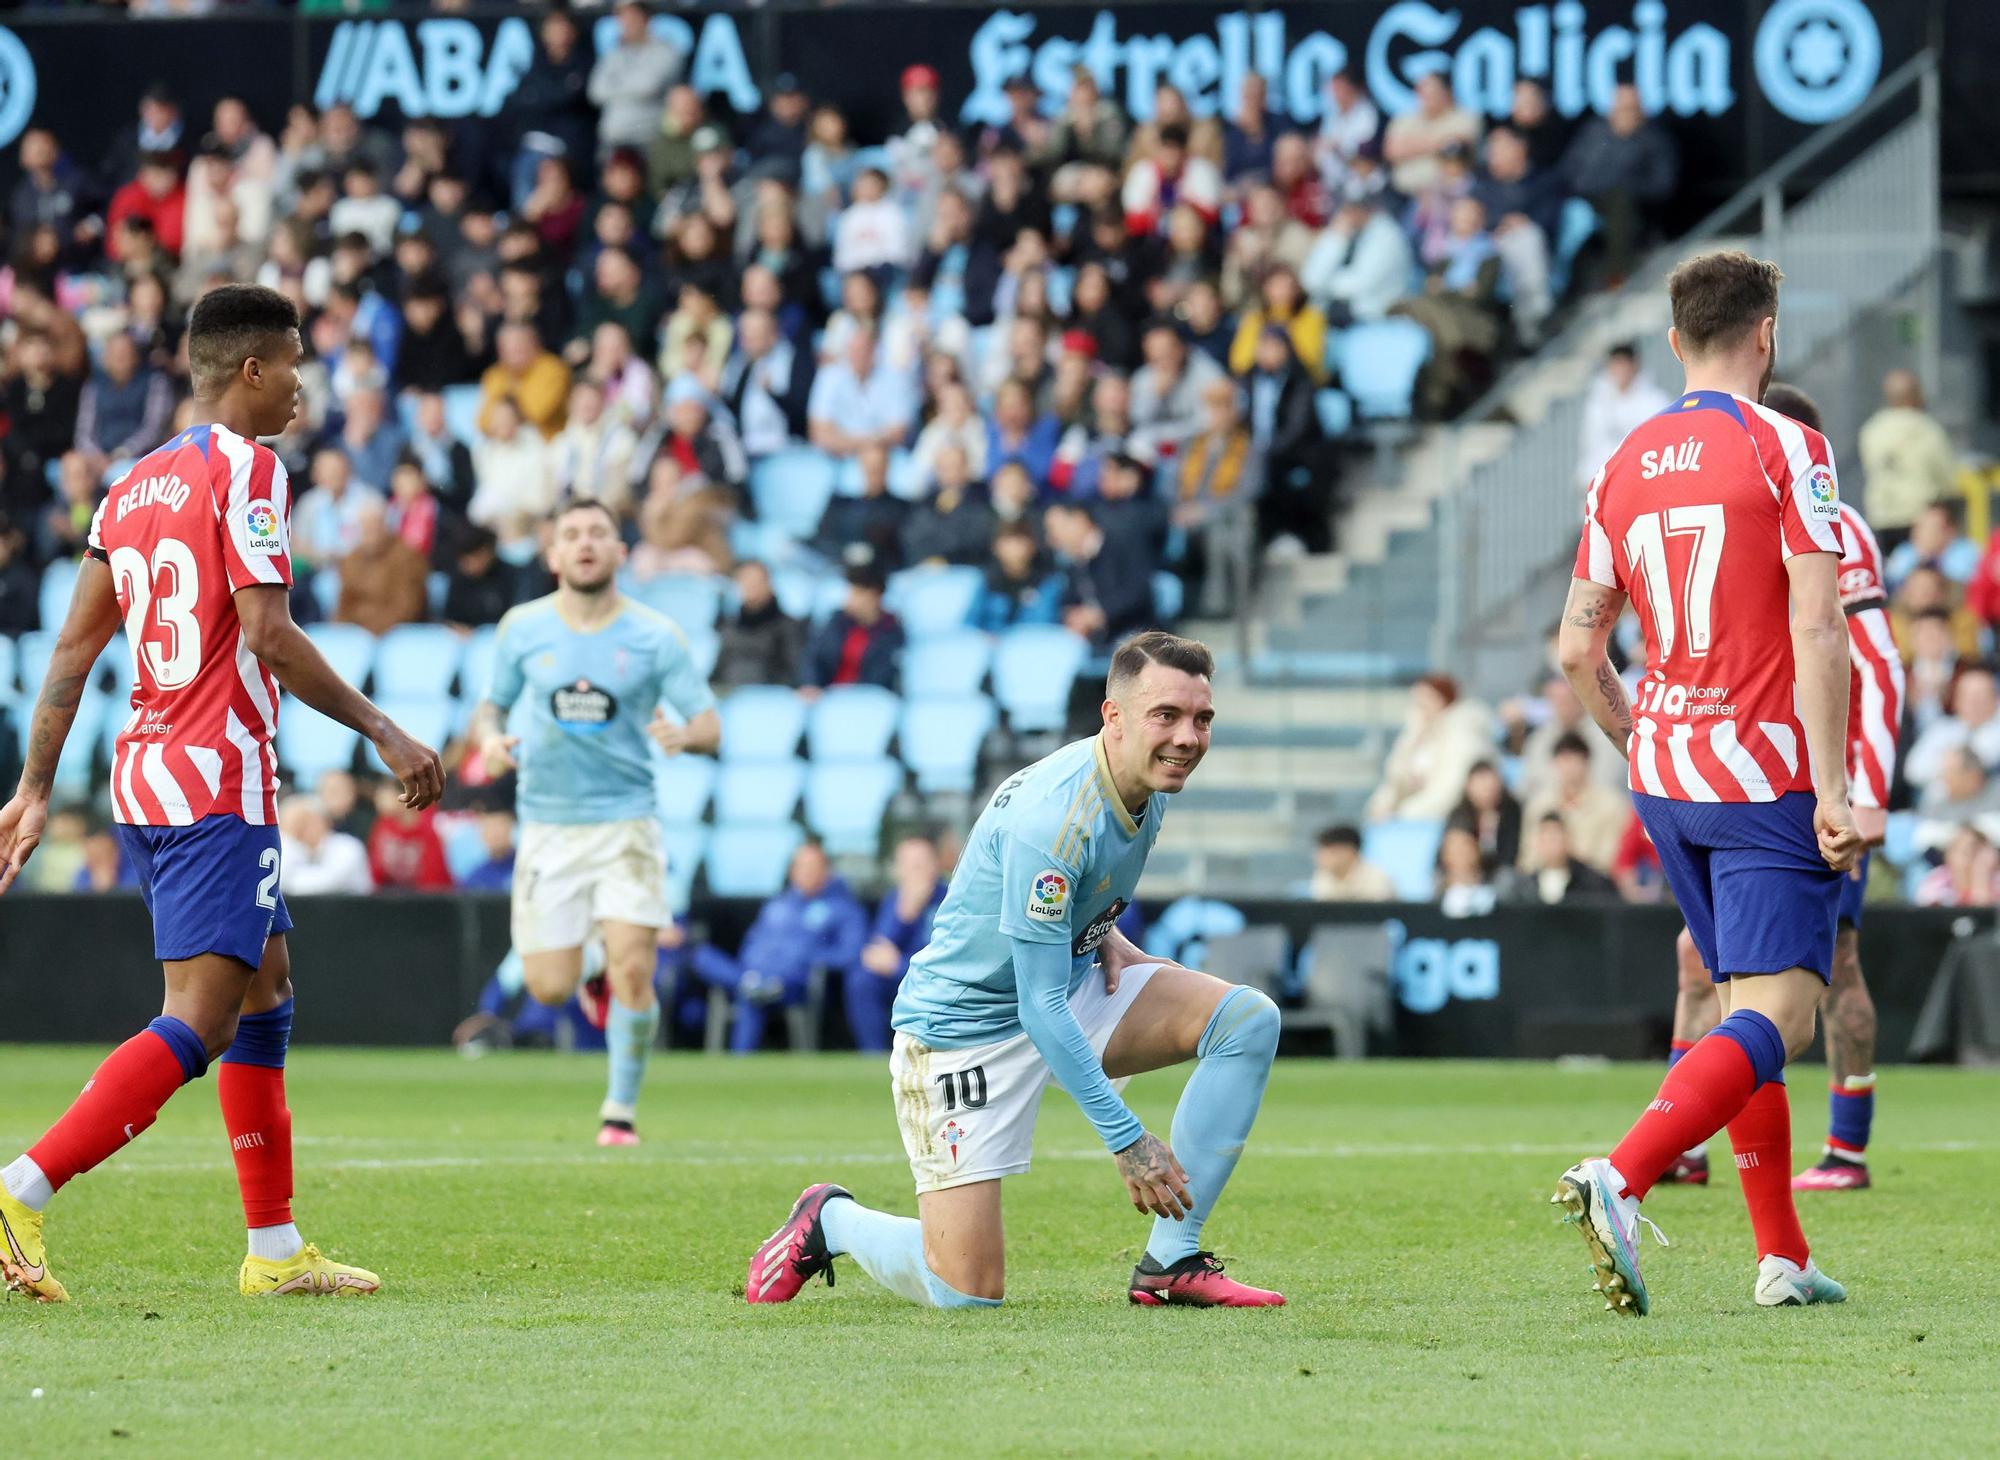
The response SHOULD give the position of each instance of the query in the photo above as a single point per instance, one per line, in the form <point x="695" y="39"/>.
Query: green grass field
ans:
<point x="543" y="1295"/>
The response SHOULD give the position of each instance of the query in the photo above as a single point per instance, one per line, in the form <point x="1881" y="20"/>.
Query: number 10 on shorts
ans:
<point x="965" y="1089"/>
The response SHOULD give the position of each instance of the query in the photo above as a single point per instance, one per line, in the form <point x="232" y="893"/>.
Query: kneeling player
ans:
<point x="1026" y="980"/>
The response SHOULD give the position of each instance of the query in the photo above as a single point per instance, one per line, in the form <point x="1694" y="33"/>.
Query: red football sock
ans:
<point x="122" y="1099"/>
<point x="1761" y="1134"/>
<point x="1701" y="1094"/>
<point x="260" y="1138"/>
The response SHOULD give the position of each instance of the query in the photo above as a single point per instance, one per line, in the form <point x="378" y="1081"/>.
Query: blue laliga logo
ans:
<point x="17" y="86"/>
<point x="1817" y="59"/>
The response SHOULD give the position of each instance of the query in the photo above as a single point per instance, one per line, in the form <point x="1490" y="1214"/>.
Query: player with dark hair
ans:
<point x="191" y="553"/>
<point x="1874" y="714"/>
<point x="1719" y="519"/>
<point x="1026" y="979"/>
<point x="585" y="672"/>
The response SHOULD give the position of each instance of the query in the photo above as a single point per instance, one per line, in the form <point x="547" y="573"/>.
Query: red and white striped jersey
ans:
<point x="1694" y="517"/>
<point x="1875" y="691"/>
<point x="204" y="515"/>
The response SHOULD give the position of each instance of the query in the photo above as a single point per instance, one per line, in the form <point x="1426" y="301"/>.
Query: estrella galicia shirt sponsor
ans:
<point x="581" y="701"/>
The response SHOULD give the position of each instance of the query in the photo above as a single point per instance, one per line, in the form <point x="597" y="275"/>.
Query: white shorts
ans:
<point x="969" y="1114"/>
<point x="567" y="878"/>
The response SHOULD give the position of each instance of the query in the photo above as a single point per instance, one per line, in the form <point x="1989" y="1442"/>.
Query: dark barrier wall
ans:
<point x="404" y="970"/>
<point x="1740" y="82"/>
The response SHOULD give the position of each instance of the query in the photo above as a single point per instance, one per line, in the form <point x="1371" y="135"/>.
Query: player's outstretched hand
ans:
<point x="21" y="823"/>
<point x="671" y="738"/>
<point x="414" y="764"/>
<point x="1840" y="840"/>
<point x="497" y="753"/>
<point x="1154" y="1179"/>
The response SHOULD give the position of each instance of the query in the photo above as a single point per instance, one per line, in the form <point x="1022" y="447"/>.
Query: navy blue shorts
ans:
<point x="211" y="887"/>
<point x="1851" y="891"/>
<point x="1757" y="895"/>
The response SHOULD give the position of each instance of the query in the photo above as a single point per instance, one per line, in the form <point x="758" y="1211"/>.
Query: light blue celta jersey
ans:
<point x="1053" y="858"/>
<point x="586" y="699"/>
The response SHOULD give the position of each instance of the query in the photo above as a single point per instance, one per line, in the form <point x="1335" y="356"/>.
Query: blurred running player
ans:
<point x="1874" y="712"/>
<point x="1027" y="980"/>
<point x="1719" y="519"/>
<point x="595" y="668"/>
<point x="191" y="553"/>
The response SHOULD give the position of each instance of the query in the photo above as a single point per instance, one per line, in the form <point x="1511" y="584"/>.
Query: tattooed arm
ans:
<point x="93" y="619"/>
<point x="1588" y="619"/>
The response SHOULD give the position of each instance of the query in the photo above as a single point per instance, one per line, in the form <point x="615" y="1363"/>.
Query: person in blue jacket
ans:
<point x="814" y="923"/>
<point x="902" y="926"/>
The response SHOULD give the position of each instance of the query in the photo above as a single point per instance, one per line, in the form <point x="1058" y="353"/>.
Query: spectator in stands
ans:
<point x="20" y="584"/>
<point x="1219" y="476"/>
<point x="105" y="868"/>
<point x="1465" y="878"/>
<point x="52" y="192"/>
<point x="1166" y="392"/>
<point x="1594" y="813"/>
<point x="1250" y="133"/>
<point x="517" y="483"/>
<point x="631" y="390"/>
<point x="1300" y="478"/>
<point x="1526" y="213"/>
<point x="481" y="587"/>
<point x="1108" y="582"/>
<point x="1268" y="238"/>
<point x="1537" y="124"/>
<point x="1933" y="664"/>
<point x="683" y="522"/>
<point x="372" y="442"/>
<point x="1626" y="167"/>
<point x="317" y="859"/>
<point x="1552" y="873"/>
<point x="1635" y="869"/>
<point x="65" y="525"/>
<point x="867" y="527"/>
<point x="1442" y="738"/>
<point x="858" y="402"/>
<point x="1341" y="874"/>
<point x="365" y="208"/>
<point x="1088" y="134"/>
<point x="155" y="198"/>
<point x="1973" y="723"/>
<point x="446" y="460"/>
<point x="1360" y="265"/>
<point x="1936" y="542"/>
<point x="1620" y="397"/>
<point x="1461" y="310"/>
<point x="1019" y="587"/>
<point x="1414" y="140"/>
<point x="123" y="411"/>
<point x="1492" y="813"/>
<point x="1349" y="123"/>
<point x="413" y="509"/>
<point x="1542" y="722"/>
<point x="535" y="381"/>
<point x="1203" y="323"/>
<point x="697" y="337"/>
<point x="954" y="524"/>
<point x="766" y="385"/>
<point x="761" y="644"/>
<point x="405" y="853"/>
<point x="1018" y="433"/>
<point x="1281" y="304"/>
<point x="1171" y="176"/>
<point x="1907" y="460"/>
<point x="1963" y="791"/>
<point x="861" y="643"/>
<point x="779" y="136"/>
<point x="592" y="458"/>
<point x="327" y="517"/>
<point x="1969" y="877"/>
<point x="815" y="924"/>
<point x="496" y="838"/>
<point x="872" y="234"/>
<point x="41" y="405"/>
<point x="629" y="82"/>
<point x="618" y="293"/>
<point x="381" y="577"/>
<point x="956" y="424"/>
<point x="902" y="926"/>
<point x="1927" y="589"/>
<point x="433" y="353"/>
<point x="550" y="109"/>
<point x="1103" y="323"/>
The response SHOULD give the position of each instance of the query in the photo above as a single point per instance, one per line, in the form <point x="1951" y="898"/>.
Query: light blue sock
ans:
<point x="628" y="1039"/>
<point x="891" y="1251"/>
<point x="1216" y="1111"/>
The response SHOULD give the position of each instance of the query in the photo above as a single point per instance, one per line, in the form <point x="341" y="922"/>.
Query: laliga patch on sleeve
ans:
<point x="1822" y="497"/>
<point x="1048" y="896"/>
<point x="260" y="530"/>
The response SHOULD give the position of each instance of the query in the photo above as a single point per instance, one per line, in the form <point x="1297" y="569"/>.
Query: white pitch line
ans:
<point x="659" y="1158"/>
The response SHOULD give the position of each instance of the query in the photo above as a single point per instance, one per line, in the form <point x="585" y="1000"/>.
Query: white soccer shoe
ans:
<point x="1781" y="1283"/>
<point x="1589" y="1194"/>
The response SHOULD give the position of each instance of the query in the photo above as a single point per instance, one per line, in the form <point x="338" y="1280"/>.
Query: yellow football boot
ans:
<point x="24" y="1262"/>
<point x="310" y="1273"/>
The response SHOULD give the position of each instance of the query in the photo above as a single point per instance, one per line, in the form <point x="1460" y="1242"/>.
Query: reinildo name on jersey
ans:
<point x="169" y="491"/>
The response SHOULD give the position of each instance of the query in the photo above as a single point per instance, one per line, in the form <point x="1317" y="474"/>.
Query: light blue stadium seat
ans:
<point x="1186" y="925"/>
<point x="1169" y="593"/>
<point x="691" y="600"/>
<point x="846" y="800"/>
<point x="117" y="714"/>
<point x="1033" y="669"/>
<point x="940" y="740"/>
<point x="949" y="664"/>
<point x="475" y="670"/>
<point x="58" y="578"/>
<point x="1899" y="840"/>
<point x="1336" y="411"/>
<point x="324" y="585"/>
<point x="417" y="659"/>
<point x="32" y="654"/>
<point x="704" y="648"/>
<point x="461" y="412"/>
<point x="905" y="480"/>
<point x="796" y="589"/>
<point x="1379" y="365"/>
<point x="428" y="717"/>
<point x="759" y="790"/>
<point x="762" y="722"/>
<point x="750" y="859"/>
<point x="1579" y="224"/>
<point x="933" y="600"/>
<point x="464" y="848"/>
<point x="1407" y="851"/>
<point x="8" y="655"/>
<point x="851" y="722"/>
<point x="686" y="842"/>
<point x="791" y="489"/>
<point x="683" y="786"/>
<point x="114" y="668"/>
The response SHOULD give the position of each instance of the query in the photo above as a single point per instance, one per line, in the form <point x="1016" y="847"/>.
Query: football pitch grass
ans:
<point x="544" y="1296"/>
